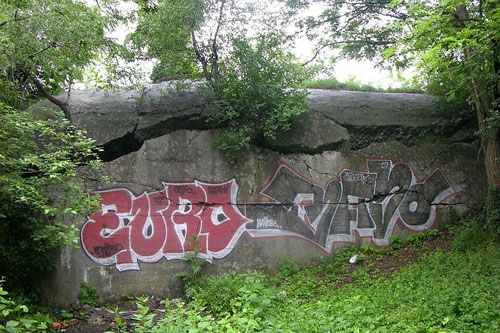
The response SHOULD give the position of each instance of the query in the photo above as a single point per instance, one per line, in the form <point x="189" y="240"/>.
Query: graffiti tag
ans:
<point x="355" y="204"/>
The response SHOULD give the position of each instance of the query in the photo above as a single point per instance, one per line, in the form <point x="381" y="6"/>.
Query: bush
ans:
<point x="254" y="96"/>
<point x="11" y="312"/>
<point x="232" y="293"/>
<point x="38" y="159"/>
<point x="88" y="295"/>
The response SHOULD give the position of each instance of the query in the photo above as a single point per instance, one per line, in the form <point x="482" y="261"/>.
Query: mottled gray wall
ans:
<point x="359" y="167"/>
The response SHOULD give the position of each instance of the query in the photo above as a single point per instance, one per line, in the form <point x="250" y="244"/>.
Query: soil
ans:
<point x="98" y="320"/>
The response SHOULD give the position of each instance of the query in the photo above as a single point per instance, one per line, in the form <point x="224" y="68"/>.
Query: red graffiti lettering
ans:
<point x="163" y="224"/>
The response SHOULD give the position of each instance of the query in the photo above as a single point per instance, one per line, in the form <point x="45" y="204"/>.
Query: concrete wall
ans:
<point x="359" y="168"/>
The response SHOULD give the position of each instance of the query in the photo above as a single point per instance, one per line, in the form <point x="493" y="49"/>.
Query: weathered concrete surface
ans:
<point x="361" y="108"/>
<point x="128" y="118"/>
<point x="299" y="198"/>
<point x="313" y="133"/>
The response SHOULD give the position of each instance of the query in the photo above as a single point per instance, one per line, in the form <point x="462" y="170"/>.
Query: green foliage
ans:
<point x="50" y="42"/>
<point x="143" y="318"/>
<point x="13" y="316"/>
<point x="418" y="239"/>
<point x="395" y="242"/>
<point x="195" y="264"/>
<point x="453" y="44"/>
<point x="38" y="160"/>
<point x="233" y="293"/>
<point x="152" y="38"/>
<point x="88" y="295"/>
<point x="253" y="97"/>
<point x="249" y="75"/>
<point x="446" y="291"/>
<point x="287" y="269"/>
<point x="118" y="321"/>
<point x="353" y="85"/>
<point x="493" y="210"/>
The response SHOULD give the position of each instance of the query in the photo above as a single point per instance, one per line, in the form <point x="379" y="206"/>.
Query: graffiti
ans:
<point x="266" y="222"/>
<point x="355" y="204"/>
<point x="161" y="224"/>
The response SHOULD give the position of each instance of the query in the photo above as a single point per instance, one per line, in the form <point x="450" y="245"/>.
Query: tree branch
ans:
<point x="214" y="58"/>
<point x="62" y="105"/>
<point x="200" y="56"/>
<point x="354" y="41"/>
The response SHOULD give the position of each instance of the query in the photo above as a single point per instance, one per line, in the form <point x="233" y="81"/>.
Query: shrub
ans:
<point x="254" y="96"/>
<point x="88" y="295"/>
<point x="11" y="312"/>
<point x="38" y="161"/>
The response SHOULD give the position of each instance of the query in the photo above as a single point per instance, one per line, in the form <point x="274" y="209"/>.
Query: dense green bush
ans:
<point x="38" y="160"/>
<point x="14" y="317"/>
<point x="254" y="96"/>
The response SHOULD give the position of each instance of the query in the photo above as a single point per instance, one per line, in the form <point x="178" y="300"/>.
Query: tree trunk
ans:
<point x="480" y="92"/>
<point x="490" y="142"/>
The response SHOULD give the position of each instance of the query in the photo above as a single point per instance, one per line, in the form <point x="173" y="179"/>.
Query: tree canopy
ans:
<point x="44" y="48"/>
<point x="454" y="44"/>
<point x="240" y="51"/>
<point x="47" y="44"/>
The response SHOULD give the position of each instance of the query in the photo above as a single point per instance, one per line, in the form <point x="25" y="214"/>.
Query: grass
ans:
<point x="456" y="290"/>
<point x="354" y="85"/>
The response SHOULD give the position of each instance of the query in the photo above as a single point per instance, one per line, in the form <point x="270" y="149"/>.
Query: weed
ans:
<point x="395" y="242"/>
<point x="13" y="316"/>
<point x="446" y="291"/>
<point x="470" y="233"/>
<point x="143" y="318"/>
<point x="195" y="264"/>
<point x="119" y="323"/>
<point x="418" y="240"/>
<point x="88" y="295"/>
<point x="287" y="269"/>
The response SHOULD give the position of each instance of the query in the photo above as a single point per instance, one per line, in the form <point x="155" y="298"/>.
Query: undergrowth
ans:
<point x="453" y="290"/>
<point x="446" y="291"/>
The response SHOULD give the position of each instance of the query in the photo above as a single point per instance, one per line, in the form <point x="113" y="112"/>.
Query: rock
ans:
<point x="313" y="132"/>
<point x="360" y="108"/>
<point x="121" y="121"/>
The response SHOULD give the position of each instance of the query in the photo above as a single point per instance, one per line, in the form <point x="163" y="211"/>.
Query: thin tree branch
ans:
<point x="214" y="59"/>
<point x="62" y="105"/>
<point x="42" y="50"/>
<point x="201" y="58"/>
<point x="354" y="41"/>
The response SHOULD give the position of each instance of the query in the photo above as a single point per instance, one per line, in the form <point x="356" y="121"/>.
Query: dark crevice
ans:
<point x="121" y="146"/>
<point x="189" y="122"/>
<point x="134" y="140"/>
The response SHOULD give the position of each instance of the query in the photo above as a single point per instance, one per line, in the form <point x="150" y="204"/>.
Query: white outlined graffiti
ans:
<point x="355" y="204"/>
<point x="161" y="224"/>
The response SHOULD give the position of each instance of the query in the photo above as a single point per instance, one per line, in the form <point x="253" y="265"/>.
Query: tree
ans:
<point x="38" y="161"/>
<point x="240" y="53"/>
<point x="45" y="46"/>
<point x="454" y="44"/>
